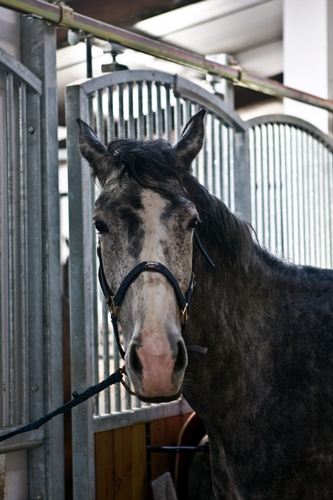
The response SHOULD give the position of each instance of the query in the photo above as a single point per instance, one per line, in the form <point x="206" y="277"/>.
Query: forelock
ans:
<point x="149" y="163"/>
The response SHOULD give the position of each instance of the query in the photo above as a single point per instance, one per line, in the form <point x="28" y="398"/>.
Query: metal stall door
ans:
<point x="291" y="164"/>
<point x="29" y="330"/>
<point x="144" y="105"/>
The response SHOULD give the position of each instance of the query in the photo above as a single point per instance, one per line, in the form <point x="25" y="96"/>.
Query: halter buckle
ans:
<point x="184" y="314"/>
<point x="112" y="307"/>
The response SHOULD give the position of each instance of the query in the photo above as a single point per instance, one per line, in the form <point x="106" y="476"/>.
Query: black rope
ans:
<point x="77" y="399"/>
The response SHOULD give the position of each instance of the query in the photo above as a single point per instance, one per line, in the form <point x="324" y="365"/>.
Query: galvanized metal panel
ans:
<point x="292" y="189"/>
<point x="19" y="98"/>
<point x="30" y="302"/>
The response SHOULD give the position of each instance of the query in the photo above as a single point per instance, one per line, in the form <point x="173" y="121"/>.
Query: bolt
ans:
<point x="34" y="388"/>
<point x="31" y="130"/>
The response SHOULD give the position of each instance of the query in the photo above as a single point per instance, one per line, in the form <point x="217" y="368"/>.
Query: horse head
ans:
<point x="145" y="222"/>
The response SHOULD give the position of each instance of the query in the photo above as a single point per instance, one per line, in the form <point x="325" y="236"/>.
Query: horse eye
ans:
<point x="193" y="223"/>
<point x="100" y="227"/>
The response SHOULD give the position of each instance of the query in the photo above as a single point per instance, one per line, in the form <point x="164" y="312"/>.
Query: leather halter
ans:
<point x="114" y="300"/>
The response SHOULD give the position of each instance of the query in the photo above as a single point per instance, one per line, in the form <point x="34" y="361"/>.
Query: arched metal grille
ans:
<point x="146" y="105"/>
<point x="292" y="189"/>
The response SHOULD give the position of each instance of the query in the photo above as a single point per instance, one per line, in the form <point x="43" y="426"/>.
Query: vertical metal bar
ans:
<point x="299" y="193"/>
<point x="99" y="115"/>
<point x="131" y="124"/>
<point x="312" y="255"/>
<point x="220" y="179"/>
<point x="89" y="70"/>
<point x="121" y="121"/>
<point x="326" y="229"/>
<point x="11" y="387"/>
<point x="168" y="115"/>
<point x="271" y="226"/>
<point x="141" y="125"/>
<point x="81" y="295"/>
<point x="236" y="143"/>
<point x="110" y="115"/>
<point x="316" y="200"/>
<point x="278" y="189"/>
<point x="288" y="183"/>
<point x="22" y="105"/>
<point x="253" y="176"/>
<point x="205" y="157"/>
<point x="321" y="205"/>
<point x="305" y="163"/>
<point x="106" y="354"/>
<point x="39" y="53"/>
<point x="150" y="116"/>
<point x="159" y="111"/>
<point x="301" y="187"/>
<point x="284" y="223"/>
<point x="197" y="160"/>
<point x="330" y="207"/>
<point x="212" y="157"/>
<point x="116" y="358"/>
<point x="258" y="194"/>
<point x="177" y="119"/>
<point x="3" y="276"/>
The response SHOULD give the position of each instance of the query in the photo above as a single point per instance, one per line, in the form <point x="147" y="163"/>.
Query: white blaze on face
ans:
<point x="154" y="229"/>
<point x="156" y="339"/>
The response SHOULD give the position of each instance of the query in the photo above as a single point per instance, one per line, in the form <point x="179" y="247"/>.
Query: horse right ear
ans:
<point x="94" y="152"/>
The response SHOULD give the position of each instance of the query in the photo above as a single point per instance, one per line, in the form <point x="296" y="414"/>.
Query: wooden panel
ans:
<point x="121" y="458"/>
<point x="104" y="460"/>
<point x="123" y="463"/>
<point x="139" y="461"/>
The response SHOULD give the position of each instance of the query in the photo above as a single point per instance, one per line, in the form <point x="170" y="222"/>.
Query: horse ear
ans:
<point x="191" y="140"/>
<point x="94" y="152"/>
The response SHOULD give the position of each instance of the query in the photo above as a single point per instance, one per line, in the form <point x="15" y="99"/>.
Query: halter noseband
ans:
<point x="114" y="300"/>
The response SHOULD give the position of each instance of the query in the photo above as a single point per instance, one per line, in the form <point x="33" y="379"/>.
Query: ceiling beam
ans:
<point x="120" y="13"/>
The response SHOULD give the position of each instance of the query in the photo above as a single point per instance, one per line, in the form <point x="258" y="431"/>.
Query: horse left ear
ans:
<point x="191" y="140"/>
<point x="96" y="154"/>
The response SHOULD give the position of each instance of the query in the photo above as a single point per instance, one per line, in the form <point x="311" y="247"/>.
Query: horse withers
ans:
<point x="264" y="389"/>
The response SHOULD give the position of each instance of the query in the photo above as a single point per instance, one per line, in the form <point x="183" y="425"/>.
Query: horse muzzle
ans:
<point x="156" y="367"/>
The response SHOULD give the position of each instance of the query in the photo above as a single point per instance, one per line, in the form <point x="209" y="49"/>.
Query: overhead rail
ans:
<point x="63" y="15"/>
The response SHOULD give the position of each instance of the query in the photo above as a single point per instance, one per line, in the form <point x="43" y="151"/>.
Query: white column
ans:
<point x="306" y="53"/>
<point x="10" y="32"/>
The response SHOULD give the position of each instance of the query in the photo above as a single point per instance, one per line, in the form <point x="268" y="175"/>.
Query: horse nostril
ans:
<point x="134" y="361"/>
<point x="181" y="359"/>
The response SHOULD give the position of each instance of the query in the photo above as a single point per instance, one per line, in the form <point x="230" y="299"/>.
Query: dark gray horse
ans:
<point x="264" y="390"/>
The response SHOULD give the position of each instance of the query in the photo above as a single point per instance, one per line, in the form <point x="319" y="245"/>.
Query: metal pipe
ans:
<point x="63" y="15"/>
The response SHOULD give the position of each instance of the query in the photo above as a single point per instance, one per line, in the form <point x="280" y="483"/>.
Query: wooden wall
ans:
<point x="121" y="458"/>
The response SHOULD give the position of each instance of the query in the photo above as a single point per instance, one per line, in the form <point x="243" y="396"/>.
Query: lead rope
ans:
<point x="77" y="399"/>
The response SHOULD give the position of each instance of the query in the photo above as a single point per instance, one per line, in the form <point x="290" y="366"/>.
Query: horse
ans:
<point x="247" y="341"/>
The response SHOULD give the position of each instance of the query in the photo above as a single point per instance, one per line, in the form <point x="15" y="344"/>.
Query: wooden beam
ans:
<point x="120" y="13"/>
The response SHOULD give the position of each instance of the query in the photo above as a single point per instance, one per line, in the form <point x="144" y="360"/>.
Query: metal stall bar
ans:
<point x="81" y="311"/>
<point x="38" y="53"/>
<point x="63" y="15"/>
